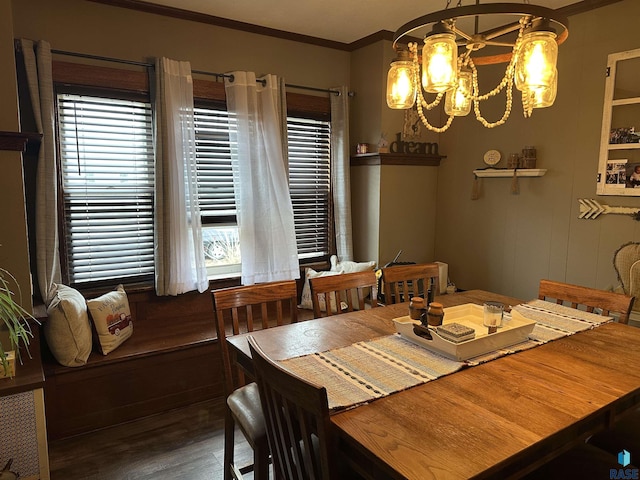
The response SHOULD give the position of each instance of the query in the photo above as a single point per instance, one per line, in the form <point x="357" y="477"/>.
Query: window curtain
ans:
<point x="340" y="178"/>
<point x="260" y="179"/>
<point x="37" y="59"/>
<point x="179" y="254"/>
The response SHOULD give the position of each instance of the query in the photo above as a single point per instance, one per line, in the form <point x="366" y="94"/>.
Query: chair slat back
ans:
<point x="296" y="412"/>
<point x="401" y="282"/>
<point x="587" y="299"/>
<point x="345" y="292"/>
<point x="266" y="304"/>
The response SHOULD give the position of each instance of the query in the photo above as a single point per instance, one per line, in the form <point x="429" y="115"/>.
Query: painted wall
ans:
<point x="507" y="243"/>
<point x="14" y="255"/>
<point x="87" y="27"/>
<point x="394" y="206"/>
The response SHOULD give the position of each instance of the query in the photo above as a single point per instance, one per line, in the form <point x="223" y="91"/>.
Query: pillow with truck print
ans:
<point x="111" y="318"/>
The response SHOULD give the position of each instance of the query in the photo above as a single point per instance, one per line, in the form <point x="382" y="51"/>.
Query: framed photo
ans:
<point x="616" y="174"/>
<point x="621" y="177"/>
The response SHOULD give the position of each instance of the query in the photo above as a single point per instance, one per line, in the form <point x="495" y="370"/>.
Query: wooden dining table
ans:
<point x="500" y="419"/>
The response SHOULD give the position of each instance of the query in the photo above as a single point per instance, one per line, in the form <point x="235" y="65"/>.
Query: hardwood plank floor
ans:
<point x="185" y="444"/>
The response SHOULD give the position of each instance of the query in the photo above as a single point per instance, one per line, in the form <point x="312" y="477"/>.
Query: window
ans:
<point x="309" y="182"/>
<point x="106" y="158"/>
<point x="215" y="189"/>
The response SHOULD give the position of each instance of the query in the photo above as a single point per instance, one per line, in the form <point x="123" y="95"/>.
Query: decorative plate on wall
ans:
<point x="491" y="157"/>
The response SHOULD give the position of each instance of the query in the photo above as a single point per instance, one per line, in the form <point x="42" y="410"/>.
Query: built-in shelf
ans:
<point x="508" y="172"/>
<point x="17" y="141"/>
<point x="429" y="160"/>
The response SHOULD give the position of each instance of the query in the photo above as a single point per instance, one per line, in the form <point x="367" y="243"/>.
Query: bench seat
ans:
<point x="172" y="360"/>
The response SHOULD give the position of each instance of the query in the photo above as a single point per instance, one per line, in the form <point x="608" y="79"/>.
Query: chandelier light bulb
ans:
<point x="401" y="91"/>
<point x="439" y="61"/>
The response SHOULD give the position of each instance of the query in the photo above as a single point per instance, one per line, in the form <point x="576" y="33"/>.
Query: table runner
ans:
<point x="372" y="369"/>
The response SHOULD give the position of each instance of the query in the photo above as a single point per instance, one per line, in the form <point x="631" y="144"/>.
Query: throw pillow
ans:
<point x="111" y="317"/>
<point x="350" y="267"/>
<point x="67" y="329"/>
<point x="306" y="301"/>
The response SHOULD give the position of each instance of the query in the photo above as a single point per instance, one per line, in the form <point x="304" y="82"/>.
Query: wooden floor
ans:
<point x="186" y="444"/>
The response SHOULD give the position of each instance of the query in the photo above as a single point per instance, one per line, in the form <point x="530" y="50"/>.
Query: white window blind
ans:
<point x="309" y="184"/>
<point x="106" y="151"/>
<point x="213" y="157"/>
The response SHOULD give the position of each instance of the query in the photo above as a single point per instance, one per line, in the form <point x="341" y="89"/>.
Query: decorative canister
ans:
<point x="513" y="160"/>
<point x="528" y="159"/>
<point x="416" y="308"/>
<point x="435" y="314"/>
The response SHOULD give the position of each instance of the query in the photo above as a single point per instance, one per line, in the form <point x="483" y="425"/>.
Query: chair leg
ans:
<point x="229" y="426"/>
<point x="261" y="460"/>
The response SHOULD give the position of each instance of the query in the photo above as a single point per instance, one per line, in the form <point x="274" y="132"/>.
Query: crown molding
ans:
<point x="221" y="22"/>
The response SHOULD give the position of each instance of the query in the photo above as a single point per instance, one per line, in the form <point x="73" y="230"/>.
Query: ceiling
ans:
<point x="344" y="21"/>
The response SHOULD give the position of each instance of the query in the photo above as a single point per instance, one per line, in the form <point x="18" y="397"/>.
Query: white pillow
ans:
<point x="306" y="301"/>
<point x="350" y="267"/>
<point x="67" y="329"/>
<point x="111" y="318"/>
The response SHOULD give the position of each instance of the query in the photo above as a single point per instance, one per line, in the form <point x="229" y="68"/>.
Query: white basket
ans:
<point x="514" y="330"/>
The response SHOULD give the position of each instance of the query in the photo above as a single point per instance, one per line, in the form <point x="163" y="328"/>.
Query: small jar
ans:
<point x="528" y="159"/>
<point x="435" y="314"/>
<point x="416" y="308"/>
<point x="513" y="160"/>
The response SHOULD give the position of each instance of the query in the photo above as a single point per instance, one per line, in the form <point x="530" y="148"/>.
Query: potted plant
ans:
<point x="15" y="330"/>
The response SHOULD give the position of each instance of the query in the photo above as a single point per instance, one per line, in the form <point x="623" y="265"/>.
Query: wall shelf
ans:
<point x="504" y="172"/>
<point x="428" y="160"/>
<point x="17" y="141"/>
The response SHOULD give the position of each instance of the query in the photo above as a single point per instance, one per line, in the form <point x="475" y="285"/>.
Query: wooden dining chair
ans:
<point x="346" y="292"/>
<point x="401" y="282"/>
<point x="239" y="310"/>
<point x="587" y="299"/>
<point x="585" y="460"/>
<point x="625" y="434"/>
<point x="297" y="417"/>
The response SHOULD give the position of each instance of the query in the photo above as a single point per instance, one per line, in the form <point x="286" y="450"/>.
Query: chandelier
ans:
<point x="531" y="34"/>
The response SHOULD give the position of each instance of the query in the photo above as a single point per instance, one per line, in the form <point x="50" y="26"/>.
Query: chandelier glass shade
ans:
<point x="458" y="99"/>
<point x="401" y="90"/>
<point x="447" y="64"/>
<point x="439" y="60"/>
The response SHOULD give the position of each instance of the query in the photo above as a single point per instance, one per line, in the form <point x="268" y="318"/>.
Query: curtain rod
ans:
<point x="199" y="72"/>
